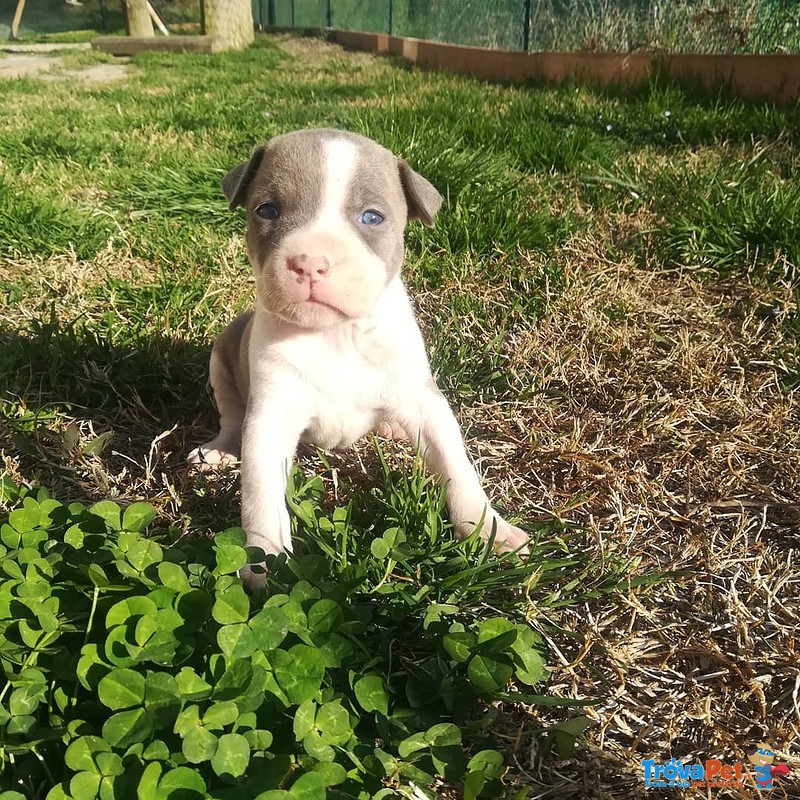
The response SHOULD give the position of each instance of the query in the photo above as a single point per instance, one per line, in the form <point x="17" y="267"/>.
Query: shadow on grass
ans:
<point x="73" y="366"/>
<point x="90" y="419"/>
<point x="664" y="111"/>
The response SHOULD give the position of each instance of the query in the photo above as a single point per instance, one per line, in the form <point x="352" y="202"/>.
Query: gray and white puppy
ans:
<point x="332" y="350"/>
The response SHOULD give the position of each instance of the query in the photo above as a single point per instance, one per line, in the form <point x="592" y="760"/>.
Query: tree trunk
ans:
<point x="139" y="22"/>
<point x="229" y="23"/>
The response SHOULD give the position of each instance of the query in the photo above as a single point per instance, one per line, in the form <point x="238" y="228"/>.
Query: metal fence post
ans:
<point x="526" y="29"/>
<point x="328" y="14"/>
<point x="271" y="13"/>
<point x="292" y="6"/>
<point x="390" y="16"/>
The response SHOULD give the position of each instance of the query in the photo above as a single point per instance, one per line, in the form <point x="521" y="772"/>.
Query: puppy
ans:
<point x="332" y="350"/>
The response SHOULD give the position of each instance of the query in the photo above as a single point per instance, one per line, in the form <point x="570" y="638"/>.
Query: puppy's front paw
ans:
<point x="510" y="537"/>
<point x="391" y="430"/>
<point x="211" y="456"/>
<point x="254" y="581"/>
<point x="507" y="536"/>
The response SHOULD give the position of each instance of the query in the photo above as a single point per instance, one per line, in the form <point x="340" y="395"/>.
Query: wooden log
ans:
<point x="130" y="45"/>
<point x="17" y="19"/>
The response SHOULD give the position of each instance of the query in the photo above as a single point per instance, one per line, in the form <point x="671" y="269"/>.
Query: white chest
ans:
<point x="341" y="381"/>
<point x="347" y="395"/>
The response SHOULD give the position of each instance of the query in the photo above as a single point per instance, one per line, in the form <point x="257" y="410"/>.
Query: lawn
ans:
<point x="610" y="301"/>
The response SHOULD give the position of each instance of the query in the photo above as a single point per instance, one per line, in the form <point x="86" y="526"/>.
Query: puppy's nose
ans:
<point x="304" y="266"/>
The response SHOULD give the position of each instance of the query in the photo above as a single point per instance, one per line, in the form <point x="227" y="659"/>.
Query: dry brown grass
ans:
<point x="658" y="425"/>
<point x="673" y="443"/>
<point x="661" y="428"/>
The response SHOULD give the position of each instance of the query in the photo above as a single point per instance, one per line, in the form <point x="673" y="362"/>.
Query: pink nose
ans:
<point x="314" y="267"/>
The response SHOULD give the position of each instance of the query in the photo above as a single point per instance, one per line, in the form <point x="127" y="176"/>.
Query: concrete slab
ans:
<point x="48" y="68"/>
<point x="22" y="66"/>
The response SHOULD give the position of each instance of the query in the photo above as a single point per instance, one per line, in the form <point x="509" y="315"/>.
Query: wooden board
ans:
<point x="17" y="19"/>
<point x="130" y="45"/>
<point x="771" y="76"/>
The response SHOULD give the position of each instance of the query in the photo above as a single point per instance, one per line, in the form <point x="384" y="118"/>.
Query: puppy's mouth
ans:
<point x="311" y="310"/>
<point x="315" y="300"/>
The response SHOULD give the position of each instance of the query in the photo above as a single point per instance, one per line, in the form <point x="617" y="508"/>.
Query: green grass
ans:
<point x="377" y="618"/>
<point x="119" y="263"/>
<point x="522" y="171"/>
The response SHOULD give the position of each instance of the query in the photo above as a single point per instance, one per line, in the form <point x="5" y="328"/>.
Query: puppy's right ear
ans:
<point x="236" y="183"/>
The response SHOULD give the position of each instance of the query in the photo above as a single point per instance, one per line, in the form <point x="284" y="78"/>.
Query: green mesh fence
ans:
<point x="487" y="23"/>
<point x="712" y="26"/>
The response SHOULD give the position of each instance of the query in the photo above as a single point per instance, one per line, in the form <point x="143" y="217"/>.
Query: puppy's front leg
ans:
<point x="441" y="443"/>
<point x="269" y="440"/>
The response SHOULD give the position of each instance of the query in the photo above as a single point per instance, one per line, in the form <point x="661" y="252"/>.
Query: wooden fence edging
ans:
<point x="772" y="77"/>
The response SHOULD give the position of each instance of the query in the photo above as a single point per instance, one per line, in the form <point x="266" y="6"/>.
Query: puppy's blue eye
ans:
<point x="268" y="211"/>
<point x="370" y="217"/>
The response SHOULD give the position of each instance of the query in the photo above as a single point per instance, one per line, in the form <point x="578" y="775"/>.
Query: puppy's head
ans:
<point x="326" y="211"/>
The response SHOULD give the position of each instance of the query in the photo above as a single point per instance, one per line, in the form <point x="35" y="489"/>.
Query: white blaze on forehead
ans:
<point x="340" y="162"/>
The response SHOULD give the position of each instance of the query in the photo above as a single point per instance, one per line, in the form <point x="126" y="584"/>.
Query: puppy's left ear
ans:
<point x="422" y="198"/>
<point x="236" y="183"/>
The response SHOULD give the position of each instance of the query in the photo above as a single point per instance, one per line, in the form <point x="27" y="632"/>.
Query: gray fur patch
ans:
<point x="291" y="175"/>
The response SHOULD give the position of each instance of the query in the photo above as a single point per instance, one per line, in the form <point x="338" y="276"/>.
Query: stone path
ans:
<point x="21" y="66"/>
<point x="35" y="60"/>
